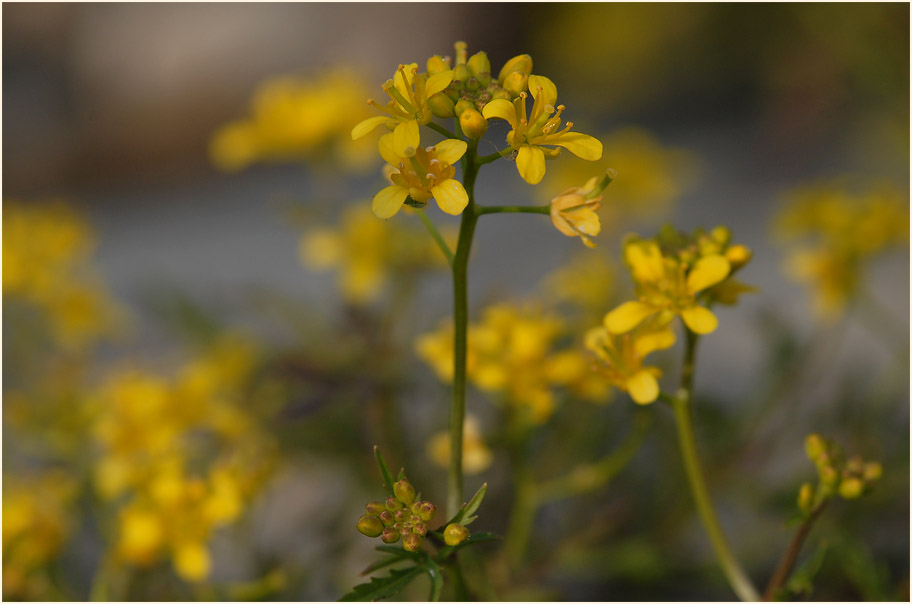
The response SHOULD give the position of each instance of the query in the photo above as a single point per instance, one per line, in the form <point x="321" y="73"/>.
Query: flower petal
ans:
<point x="579" y="144"/>
<point x="451" y="196"/>
<point x="548" y="89"/>
<point x="707" y="271"/>
<point x="404" y="136"/>
<point x="388" y="201"/>
<point x="500" y="108"/>
<point x="645" y="260"/>
<point x="627" y="316"/>
<point x="450" y="150"/>
<point x="643" y="387"/>
<point x="438" y="82"/>
<point x="387" y="149"/>
<point x="405" y="86"/>
<point x="531" y="164"/>
<point x="652" y="341"/>
<point x="367" y="126"/>
<point x="699" y="319"/>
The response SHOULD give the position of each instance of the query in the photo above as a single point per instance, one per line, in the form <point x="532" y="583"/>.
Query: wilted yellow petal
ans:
<point x="530" y="161"/>
<point x="627" y="316"/>
<point x="451" y="196"/>
<point x="388" y="201"/>
<point x="699" y="319"/>
<point x="707" y="271"/>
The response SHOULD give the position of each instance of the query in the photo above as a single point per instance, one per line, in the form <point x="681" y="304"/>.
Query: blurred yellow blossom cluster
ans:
<point x="514" y="352"/>
<point x="368" y="253"/>
<point x="179" y="458"/>
<point x="476" y="456"/>
<point x="835" y="232"/>
<point x="47" y="251"/>
<point x="297" y="118"/>
<point x="36" y="524"/>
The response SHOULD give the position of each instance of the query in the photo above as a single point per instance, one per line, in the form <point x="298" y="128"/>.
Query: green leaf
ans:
<point x="802" y="580"/>
<point x="464" y="515"/>
<point x="399" y="552"/>
<point x="401" y="474"/>
<point x="383" y="587"/>
<point x="436" y="577"/>
<point x="384" y="472"/>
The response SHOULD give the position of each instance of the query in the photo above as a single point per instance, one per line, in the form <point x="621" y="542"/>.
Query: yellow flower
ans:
<point x="422" y="173"/>
<point x="667" y="286"/>
<point x="622" y="357"/>
<point x="408" y="105"/>
<point x="573" y="212"/>
<point x="476" y="456"/>
<point x="532" y="136"/>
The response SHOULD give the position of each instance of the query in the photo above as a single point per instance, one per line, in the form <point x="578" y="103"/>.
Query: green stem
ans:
<point x="481" y="210"/>
<point x="438" y="238"/>
<point x="480" y="161"/>
<point x="441" y="130"/>
<point x="791" y="554"/>
<point x="736" y="576"/>
<point x="460" y="328"/>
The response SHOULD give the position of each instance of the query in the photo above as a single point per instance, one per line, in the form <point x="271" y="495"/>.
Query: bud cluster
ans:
<point x="848" y="478"/>
<point x="690" y="247"/>
<point x="400" y="517"/>
<point x="473" y="87"/>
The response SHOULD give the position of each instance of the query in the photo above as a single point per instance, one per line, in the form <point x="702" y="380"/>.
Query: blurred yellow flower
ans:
<point x="622" y="356"/>
<point x="295" y="119"/>
<point x="533" y="134"/>
<point x="838" y="234"/>
<point x="476" y="456"/>
<point x="587" y="281"/>
<point x="368" y="253"/>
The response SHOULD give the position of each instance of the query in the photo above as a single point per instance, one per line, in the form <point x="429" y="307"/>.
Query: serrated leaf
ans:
<point x="399" y="551"/>
<point x="383" y="587"/>
<point x="384" y="472"/>
<point x="381" y="564"/>
<point x="464" y="515"/>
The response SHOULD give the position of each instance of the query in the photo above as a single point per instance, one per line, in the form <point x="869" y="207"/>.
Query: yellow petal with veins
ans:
<point x="500" y="108"/>
<point x="438" y="82"/>
<point x="450" y="150"/>
<point x="530" y="161"/>
<point x="389" y="200"/>
<point x="579" y="144"/>
<point x="451" y="196"/>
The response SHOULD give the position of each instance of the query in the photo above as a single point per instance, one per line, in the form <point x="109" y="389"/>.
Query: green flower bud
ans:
<point x="441" y="105"/>
<point x="412" y="542"/>
<point x="452" y="91"/>
<point x="393" y="504"/>
<point x="404" y="491"/>
<point x="721" y="235"/>
<point x="461" y="73"/>
<point x="479" y="63"/>
<point x="400" y="515"/>
<point x="386" y="517"/>
<point x="828" y="476"/>
<point x="370" y="526"/>
<point x="850" y="488"/>
<point x="855" y="466"/>
<point x="427" y="512"/>
<point x="472" y="84"/>
<point x="436" y="64"/>
<point x="420" y="528"/>
<point x="806" y="498"/>
<point x="815" y="447"/>
<point x="389" y="535"/>
<point x="375" y="508"/>
<point x="872" y="471"/>
<point x="515" y="83"/>
<point x="500" y="93"/>
<point x="484" y="79"/>
<point x="520" y="63"/>
<point x="454" y="534"/>
<point x="415" y="508"/>
<point x="462" y="105"/>
<point x="473" y="124"/>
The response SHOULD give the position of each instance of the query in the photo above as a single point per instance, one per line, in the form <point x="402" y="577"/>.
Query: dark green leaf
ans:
<point x="384" y="471"/>
<point x="383" y="587"/>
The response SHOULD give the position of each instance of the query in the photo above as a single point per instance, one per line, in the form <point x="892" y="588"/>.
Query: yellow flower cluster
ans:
<point x="513" y="352"/>
<point x="47" y="249"/>
<point x="840" y="232"/>
<point x="180" y="456"/>
<point x="674" y="275"/>
<point x="476" y="456"/>
<point x="367" y="253"/>
<point x="35" y="527"/>
<point x="294" y="119"/>
<point x="468" y="92"/>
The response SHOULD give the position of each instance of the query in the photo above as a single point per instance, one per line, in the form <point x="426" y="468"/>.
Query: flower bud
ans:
<point x="815" y="447"/>
<point x="412" y="542"/>
<point x="806" y="498"/>
<point x="404" y="491"/>
<point x="828" y="476"/>
<point x="850" y="488"/>
<point x="420" y="528"/>
<point x="386" y="517"/>
<point x="515" y="83"/>
<point x="441" y="105"/>
<point x="375" y="508"/>
<point x="872" y="471"/>
<point x="484" y="79"/>
<point x="389" y="535"/>
<point x="369" y="525"/>
<point x="473" y="124"/>
<point x="520" y="63"/>
<point x="463" y="105"/>
<point x="472" y="84"/>
<point x="454" y="534"/>
<point x="479" y="63"/>
<point x="436" y="64"/>
<point x="400" y="515"/>
<point x="427" y="512"/>
<point x="721" y="235"/>
<point x="393" y="504"/>
<point x="854" y="466"/>
<point x="738" y="255"/>
<point x="415" y="508"/>
<point x="461" y="73"/>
